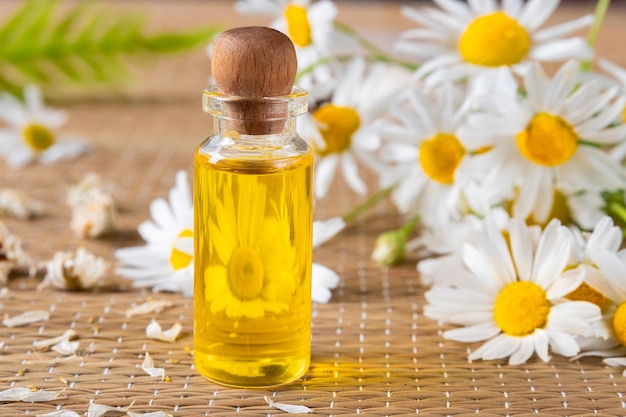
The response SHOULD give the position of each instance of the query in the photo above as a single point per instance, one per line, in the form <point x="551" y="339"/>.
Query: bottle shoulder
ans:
<point x="254" y="154"/>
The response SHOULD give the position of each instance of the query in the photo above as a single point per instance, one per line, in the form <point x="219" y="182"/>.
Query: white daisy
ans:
<point x="32" y="132"/>
<point x="310" y="26"/>
<point x="340" y="131"/>
<point x="165" y="262"/>
<point x="551" y="141"/>
<point x="431" y="161"/>
<point x="511" y="295"/>
<point x="611" y="285"/>
<point x="464" y="39"/>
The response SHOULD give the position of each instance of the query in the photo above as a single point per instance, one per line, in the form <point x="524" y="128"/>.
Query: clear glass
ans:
<point x="253" y="249"/>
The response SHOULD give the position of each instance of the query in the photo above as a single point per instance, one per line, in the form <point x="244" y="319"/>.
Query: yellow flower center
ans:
<point x="624" y="115"/>
<point x="521" y="308"/>
<point x="245" y="273"/>
<point x="619" y="323"/>
<point x="338" y="124"/>
<point x="38" y="137"/>
<point x="298" y="26"/>
<point x="586" y="293"/>
<point x="178" y="258"/>
<point x="440" y="156"/>
<point x="494" y="40"/>
<point x="547" y="140"/>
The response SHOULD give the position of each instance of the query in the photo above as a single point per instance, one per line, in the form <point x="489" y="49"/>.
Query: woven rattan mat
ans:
<point x="373" y="351"/>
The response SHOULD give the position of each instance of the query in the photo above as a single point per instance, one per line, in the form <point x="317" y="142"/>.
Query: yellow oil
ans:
<point x="252" y="304"/>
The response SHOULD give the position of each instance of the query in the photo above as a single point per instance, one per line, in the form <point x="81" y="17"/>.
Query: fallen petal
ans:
<point x="27" y="395"/>
<point x="59" y="413"/>
<point x="151" y="414"/>
<point x="26" y="318"/>
<point x="148" y="307"/>
<point x="41" y="344"/>
<point x="148" y="366"/>
<point x="154" y="331"/>
<point x="65" y="347"/>
<point x="99" y="410"/>
<point x="288" y="408"/>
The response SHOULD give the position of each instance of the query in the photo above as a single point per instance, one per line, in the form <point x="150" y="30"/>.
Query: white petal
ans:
<point x="148" y="307"/>
<point x="568" y="282"/>
<point x="288" y="408"/>
<point x="324" y="173"/>
<point x="351" y="174"/>
<point x="148" y="366"/>
<point x="327" y="229"/>
<point x="101" y="410"/>
<point x="475" y="333"/>
<point x="27" y="317"/>
<point x="499" y="347"/>
<point x="154" y="331"/>
<point x="59" y="413"/>
<point x="525" y="350"/>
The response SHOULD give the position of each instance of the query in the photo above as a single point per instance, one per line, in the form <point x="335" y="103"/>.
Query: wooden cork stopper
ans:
<point x="254" y="63"/>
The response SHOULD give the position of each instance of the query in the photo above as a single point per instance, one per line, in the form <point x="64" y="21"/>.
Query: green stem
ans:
<point x="368" y="204"/>
<point x="409" y="226"/>
<point x="601" y="8"/>
<point x="375" y="51"/>
<point x="619" y="211"/>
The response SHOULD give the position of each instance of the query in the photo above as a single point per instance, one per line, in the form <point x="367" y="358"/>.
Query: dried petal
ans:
<point x="151" y="414"/>
<point x="59" y="413"/>
<point x="74" y="270"/>
<point x="65" y="347"/>
<point x="42" y="344"/>
<point x="148" y="307"/>
<point x="148" y="366"/>
<point x="12" y="257"/>
<point x="99" y="410"/>
<point x="26" y="317"/>
<point x="27" y="395"/>
<point x="288" y="408"/>
<point x="93" y="207"/>
<point x="154" y="331"/>
<point x="15" y="204"/>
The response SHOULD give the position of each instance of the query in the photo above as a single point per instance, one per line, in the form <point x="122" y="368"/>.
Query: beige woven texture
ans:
<point x="374" y="353"/>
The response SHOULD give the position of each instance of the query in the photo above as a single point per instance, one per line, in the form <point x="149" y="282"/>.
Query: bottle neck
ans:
<point x="236" y="128"/>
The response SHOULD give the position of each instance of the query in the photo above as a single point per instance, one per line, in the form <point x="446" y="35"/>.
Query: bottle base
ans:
<point x="252" y="374"/>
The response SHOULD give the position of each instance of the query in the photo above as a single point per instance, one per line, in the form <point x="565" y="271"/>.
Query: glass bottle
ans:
<point x="253" y="239"/>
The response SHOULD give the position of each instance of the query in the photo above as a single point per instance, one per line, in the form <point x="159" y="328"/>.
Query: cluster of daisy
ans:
<point x="509" y="166"/>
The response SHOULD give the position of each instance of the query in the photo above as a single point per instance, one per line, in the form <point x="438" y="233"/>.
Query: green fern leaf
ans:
<point x="85" y="45"/>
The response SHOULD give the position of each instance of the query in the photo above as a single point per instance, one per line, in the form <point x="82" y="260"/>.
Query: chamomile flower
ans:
<point x="611" y="287"/>
<point x="431" y="162"/>
<point x="340" y="131"/>
<point x="165" y="262"/>
<point x="511" y="294"/>
<point x="255" y="269"/>
<point x="310" y="26"/>
<point x="551" y="141"/>
<point x="465" y="39"/>
<point x="32" y="132"/>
